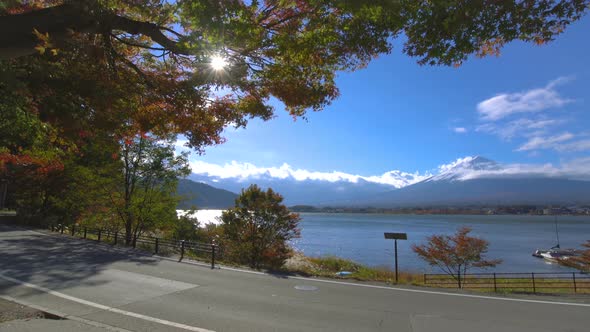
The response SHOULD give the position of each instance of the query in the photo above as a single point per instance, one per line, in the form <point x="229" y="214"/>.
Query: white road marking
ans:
<point x="104" y="307"/>
<point x="63" y="315"/>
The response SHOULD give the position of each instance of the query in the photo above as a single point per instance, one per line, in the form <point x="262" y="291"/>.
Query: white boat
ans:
<point x="539" y="253"/>
<point x="554" y="255"/>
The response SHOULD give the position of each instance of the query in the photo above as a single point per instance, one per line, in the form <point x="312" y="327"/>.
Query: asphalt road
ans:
<point x="118" y="289"/>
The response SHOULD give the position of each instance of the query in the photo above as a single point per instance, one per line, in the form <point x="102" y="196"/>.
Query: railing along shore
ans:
<point x="535" y="282"/>
<point x="159" y="246"/>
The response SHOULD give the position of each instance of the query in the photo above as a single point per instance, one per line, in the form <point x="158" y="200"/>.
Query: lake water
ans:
<point x="512" y="238"/>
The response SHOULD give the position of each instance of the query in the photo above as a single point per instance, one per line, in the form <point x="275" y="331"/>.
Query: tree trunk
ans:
<point x="129" y="229"/>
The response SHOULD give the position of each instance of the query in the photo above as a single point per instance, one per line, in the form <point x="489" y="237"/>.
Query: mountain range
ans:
<point x="203" y="196"/>
<point x="469" y="181"/>
<point x="456" y="187"/>
<point x="315" y="192"/>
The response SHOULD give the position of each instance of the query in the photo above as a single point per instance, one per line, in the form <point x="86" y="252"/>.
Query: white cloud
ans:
<point x="453" y="164"/>
<point x="397" y="179"/>
<point x="578" y="169"/>
<point x="180" y="146"/>
<point x="575" y="146"/>
<point x="538" y="131"/>
<point x="519" y="128"/>
<point x="539" y="142"/>
<point x="535" y="100"/>
<point x="244" y="171"/>
<point x="460" y="130"/>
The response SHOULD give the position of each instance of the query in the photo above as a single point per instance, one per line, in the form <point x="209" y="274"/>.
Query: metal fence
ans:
<point x="203" y="250"/>
<point x="535" y="282"/>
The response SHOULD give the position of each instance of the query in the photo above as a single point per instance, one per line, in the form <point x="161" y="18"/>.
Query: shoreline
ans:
<point x="432" y="212"/>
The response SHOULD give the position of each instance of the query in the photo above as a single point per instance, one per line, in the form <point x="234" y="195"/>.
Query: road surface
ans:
<point x="120" y="290"/>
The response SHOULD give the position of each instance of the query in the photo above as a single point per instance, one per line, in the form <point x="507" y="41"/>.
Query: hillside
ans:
<point x="312" y="192"/>
<point x="204" y="196"/>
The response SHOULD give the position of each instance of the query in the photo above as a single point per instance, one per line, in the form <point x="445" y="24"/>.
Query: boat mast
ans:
<point x="556" y="232"/>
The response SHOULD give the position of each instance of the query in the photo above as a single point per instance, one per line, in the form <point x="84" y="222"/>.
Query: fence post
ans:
<point x="212" y="255"/>
<point x="574" y="279"/>
<point x="156" y="246"/>
<point x="495" y="285"/>
<point x="134" y="242"/>
<point x="85" y="231"/>
<point x="181" y="250"/>
<point x="534" y="286"/>
<point x="424" y="278"/>
<point x="99" y="232"/>
<point x="62" y="228"/>
<point x="73" y="229"/>
<point x="116" y="236"/>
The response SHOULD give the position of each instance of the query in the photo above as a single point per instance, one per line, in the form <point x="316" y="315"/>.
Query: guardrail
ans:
<point x="159" y="245"/>
<point x="537" y="282"/>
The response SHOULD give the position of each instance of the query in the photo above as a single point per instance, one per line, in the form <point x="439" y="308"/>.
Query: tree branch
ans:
<point x="18" y="38"/>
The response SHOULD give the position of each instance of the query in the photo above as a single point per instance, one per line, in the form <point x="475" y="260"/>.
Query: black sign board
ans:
<point x="396" y="236"/>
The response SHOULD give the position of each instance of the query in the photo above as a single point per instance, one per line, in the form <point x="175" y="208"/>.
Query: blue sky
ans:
<point x="528" y="106"/>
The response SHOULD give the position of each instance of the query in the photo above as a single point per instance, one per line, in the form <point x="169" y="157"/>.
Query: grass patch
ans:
<point x="329" y="266"/>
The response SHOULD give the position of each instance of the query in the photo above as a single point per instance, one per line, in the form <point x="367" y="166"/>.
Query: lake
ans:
<point x="512" y="238"/>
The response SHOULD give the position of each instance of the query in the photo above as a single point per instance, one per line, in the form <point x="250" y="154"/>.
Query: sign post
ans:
<point x="395" y="237"/>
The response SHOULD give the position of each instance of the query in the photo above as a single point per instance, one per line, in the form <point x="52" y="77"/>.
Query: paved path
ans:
<point x="119" y="290"/>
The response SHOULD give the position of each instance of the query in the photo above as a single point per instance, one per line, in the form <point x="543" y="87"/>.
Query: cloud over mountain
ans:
<point x="239" y="170"/>
<point x="469" y="168"/>
<point x="465" y="168"/>
<point x="483" y="176"/>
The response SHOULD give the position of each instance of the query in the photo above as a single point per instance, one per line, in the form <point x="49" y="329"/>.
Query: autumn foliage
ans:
<point x="455" y="254"/>
<point x="123" y="66"/>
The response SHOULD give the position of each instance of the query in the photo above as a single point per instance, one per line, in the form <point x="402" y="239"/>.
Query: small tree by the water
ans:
<point x="456" y="254"/>
<point x="581" y="262"/>
<point x="258" y="228"/>
<point x="185" y="228"/>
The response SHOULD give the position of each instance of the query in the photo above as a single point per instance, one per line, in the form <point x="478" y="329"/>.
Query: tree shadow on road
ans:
<point x="57" y="261"/>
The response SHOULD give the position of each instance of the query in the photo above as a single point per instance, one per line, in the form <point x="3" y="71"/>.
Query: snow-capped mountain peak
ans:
<point x="463" y="168"/>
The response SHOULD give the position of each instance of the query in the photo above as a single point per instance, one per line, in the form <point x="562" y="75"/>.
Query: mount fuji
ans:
<point x="480" y="181"/>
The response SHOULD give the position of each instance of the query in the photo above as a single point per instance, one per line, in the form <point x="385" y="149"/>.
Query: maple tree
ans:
<point x="455" y="254"/>
<point x="257" y="229"/>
